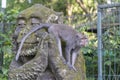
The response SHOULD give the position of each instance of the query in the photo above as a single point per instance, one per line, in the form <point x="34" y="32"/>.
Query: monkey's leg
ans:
<point x="60" y="50"/>
<point x="74" y="56"/>
<point x="67" y="49"/>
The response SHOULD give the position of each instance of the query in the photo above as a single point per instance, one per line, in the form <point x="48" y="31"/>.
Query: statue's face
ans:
<point x="25" y="26"/>
<point x="30" y="22"/>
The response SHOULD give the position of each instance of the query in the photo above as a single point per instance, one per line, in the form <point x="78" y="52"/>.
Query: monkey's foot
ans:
<point x="71" y="67"/>
<point x="63" y="60"/>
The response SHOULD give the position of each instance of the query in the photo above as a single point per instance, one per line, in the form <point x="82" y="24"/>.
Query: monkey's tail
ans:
<point x="29" y="33"/>
<point x="22" y="42"/>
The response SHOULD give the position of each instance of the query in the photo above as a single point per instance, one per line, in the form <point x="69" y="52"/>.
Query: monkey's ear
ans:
<point x="78" y="35"/>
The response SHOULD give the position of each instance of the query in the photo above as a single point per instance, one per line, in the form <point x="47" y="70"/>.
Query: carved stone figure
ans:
<point x="39" y="58"/>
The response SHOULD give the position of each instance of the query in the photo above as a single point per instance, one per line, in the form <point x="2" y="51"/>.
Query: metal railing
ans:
<point x="108" y="16"/>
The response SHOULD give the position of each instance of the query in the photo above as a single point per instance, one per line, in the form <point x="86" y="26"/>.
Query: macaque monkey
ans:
<point x="74" y="41"/>
<point x="52" y="18"/>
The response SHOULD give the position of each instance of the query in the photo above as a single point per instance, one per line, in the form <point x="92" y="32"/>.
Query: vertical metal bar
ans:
<point x="1" y="53"/>
<point x="1" y="45"/>
<point x="99" y="35"/>
<point x="29" y="1"/>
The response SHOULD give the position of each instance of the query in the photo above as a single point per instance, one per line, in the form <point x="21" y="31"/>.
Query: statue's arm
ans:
<point x="30" y="69"/>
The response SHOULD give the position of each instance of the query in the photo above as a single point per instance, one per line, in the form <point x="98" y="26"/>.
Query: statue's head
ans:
<point x="35" y="15"/>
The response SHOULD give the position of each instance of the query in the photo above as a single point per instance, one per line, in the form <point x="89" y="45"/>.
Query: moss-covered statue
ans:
<point x="39" y="58"/>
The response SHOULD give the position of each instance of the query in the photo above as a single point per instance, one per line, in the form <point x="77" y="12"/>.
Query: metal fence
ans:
<point x="108" y="42"/>
<point x="102" y="61"/>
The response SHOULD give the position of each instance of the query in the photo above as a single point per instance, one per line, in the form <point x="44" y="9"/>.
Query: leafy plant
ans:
<point x="8" y="20"/>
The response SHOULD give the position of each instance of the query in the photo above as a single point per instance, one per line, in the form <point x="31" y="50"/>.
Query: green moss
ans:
<point x="37" y="10"/>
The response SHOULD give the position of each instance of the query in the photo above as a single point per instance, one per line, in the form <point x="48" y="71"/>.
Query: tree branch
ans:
<point x="81" y="4"/>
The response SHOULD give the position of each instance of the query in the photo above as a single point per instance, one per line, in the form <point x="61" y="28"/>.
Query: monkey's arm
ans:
<point x="67" y="52"/>
<point x="60" y="49"/>
<point x="71" y="55"/>
<point x="59" y="46"/>
<point x="74" y="56"/>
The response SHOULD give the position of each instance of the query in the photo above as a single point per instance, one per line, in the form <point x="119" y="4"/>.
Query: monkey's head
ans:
<point x="82" y="40"/>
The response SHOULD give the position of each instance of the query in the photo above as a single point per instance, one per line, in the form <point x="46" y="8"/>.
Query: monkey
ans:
<point x="52" y="18"/>
<point x="55" y="18"/>
<point x="74" y="41"/>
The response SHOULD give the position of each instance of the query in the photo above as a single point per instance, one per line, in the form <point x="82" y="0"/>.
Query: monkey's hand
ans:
<point x="64" y="61"/>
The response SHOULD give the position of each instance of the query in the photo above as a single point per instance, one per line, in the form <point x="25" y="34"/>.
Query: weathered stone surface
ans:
<point x="31" y="69"/>
<point x="45" y="63"/>
<point x="43" y="13"/>
<point x="47" y="75"/>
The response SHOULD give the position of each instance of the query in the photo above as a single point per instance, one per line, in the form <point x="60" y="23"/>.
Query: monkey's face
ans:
<point x="82" y="40"/>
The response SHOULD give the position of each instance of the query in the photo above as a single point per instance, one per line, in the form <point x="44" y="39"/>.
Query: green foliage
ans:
<point x="2" y="77"/>
<point x="11" y="15"/>
<point x="6" y="42"/>
<point x="1" y="16"/>
<point x="7" y="50"/>
<point x="111" y="41"/>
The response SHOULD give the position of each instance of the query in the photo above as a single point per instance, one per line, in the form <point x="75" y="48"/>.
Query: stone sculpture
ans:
<point x="39" y="58"/>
